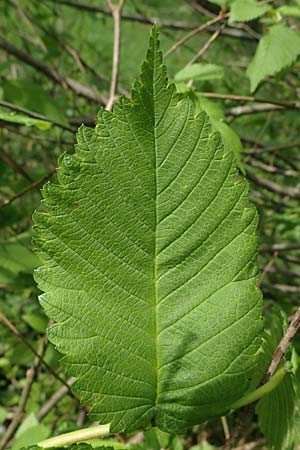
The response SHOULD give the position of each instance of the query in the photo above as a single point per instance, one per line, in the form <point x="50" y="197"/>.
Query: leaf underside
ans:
<point x="149" y="263"/>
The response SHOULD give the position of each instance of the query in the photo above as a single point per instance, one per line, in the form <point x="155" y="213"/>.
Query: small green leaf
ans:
<point x="245" y="10"/>
<point x="31" y="95"/>
<point x="276" y="51"/>
<point x="37" y="321"/>
<point x="15" y="259"/>
<point x="3" y="414"/>
<point x="200" y="72"/>
<point x="289" y="11"/>
<point x="30" y="432"/>
<point x="231" y="139"/>
<point x="27" y="121"/>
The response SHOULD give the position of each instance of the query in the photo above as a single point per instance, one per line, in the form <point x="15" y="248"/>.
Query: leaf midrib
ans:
<point x="155" y="269"/>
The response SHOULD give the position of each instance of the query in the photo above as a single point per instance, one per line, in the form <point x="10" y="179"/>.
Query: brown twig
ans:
<point x="30" y="377"/>
<point x="262" y="149"/>
<point x="283" y="345"/>
<point x="250" y="445"/>
<point x="207" y="44"/>
<point x="270" y="185"/>
<point x="116" y="11"/>
<point x="248" y="98"/>
<point x="20" y="336"/>
<point x="281" y="247"/>
<point x="233" y="33"/>
<point x="267" y="268"/>
<point x="197" y="30"/>
<point x="270" y="168"/>
<point x="54" y="399"/>
<point x="285" y="288"/>
<point x="256" y="108"/>
<point x="276" y="359"/>
<point x="24" y="191"/>
<point x="9" y="161"/>
<point x="52" y="74"/>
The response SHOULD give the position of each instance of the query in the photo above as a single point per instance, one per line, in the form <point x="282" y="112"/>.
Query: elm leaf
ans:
<point x="148" y="245"/>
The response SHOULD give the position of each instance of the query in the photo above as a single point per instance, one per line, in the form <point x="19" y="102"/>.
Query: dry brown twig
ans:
<point x="7" y="159"/>
<point x="192" y="33"/>
<point x="54" y="399"/>
<point x="19" y="335"/>
<point x="24" y="191"/>
<point x="116" y="11"/>
<point x="205" y="47"/>
<point x="30" y="377"/>
<point x="276" y="359"/>
<point x="66" y="82"/>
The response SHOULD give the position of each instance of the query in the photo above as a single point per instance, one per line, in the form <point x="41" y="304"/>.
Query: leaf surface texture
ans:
<point x="149" y="263"/>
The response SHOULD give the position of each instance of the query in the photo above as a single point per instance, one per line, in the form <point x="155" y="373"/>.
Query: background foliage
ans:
<point x="55" y="68"/>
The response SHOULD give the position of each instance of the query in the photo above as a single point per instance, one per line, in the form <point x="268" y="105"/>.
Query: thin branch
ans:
<point x="247" y="98"/>
<point x="197" y="30"/>
<point x="207" y="44"/>
<point x="30" y="377"/>
<point x="267" y="268"/>
<point x="250" y="445"/>
<point x="20" y="336"/>
<point x="52" y="74"/>
<point x="9" y="161"/>
<point x="24" y="191"/>
<point x="283" y="345"/>
<point x="256" y="108"/>
<point x="282" y="247"/>
<point x="268" y="168"/>
<point x="116" y="11"/>
<point x="285" y="288"/>
<point x="276" y="359"/>
<point x="233" y="33"/>
<point x="54" y="399"/>
<point x="263" y="149"/>
<point x="274" y="187"/>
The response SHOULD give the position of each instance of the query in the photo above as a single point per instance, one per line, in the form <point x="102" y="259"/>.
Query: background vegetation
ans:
<point x="55" y="68"/>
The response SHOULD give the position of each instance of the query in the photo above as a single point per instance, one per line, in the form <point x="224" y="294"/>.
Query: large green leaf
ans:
<point x="149" y="252"/>
<point x="275" y="51"/>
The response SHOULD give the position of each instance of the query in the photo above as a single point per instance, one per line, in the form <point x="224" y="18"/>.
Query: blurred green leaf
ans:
<point x="15" y="259"/>
<point x="27" y="121"/>
<point x="275" y="51"/>
<point x="245" y="10"/>
<point x="200" y="72"/>
<point x="289" y="11"/>
<point x="30" y="95"/>
<point x="37" y="321"/>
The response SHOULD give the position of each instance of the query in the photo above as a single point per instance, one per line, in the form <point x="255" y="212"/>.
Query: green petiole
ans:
<point x="76" y="436"/>
<point x="262" y="390"/>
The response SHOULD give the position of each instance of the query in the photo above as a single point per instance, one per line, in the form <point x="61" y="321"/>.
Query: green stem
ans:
<point x="262" y="390"/>
<point x="76" y="436"/>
